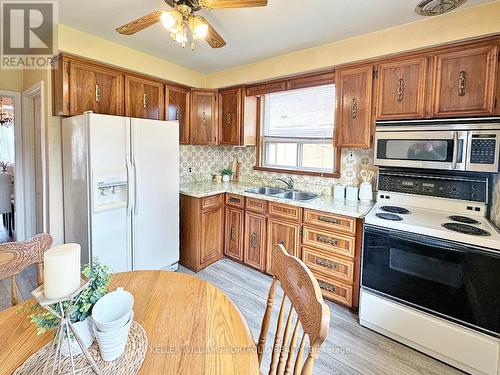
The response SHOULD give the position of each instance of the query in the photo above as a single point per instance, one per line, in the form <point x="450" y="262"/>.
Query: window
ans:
<point x="298" y="129"/>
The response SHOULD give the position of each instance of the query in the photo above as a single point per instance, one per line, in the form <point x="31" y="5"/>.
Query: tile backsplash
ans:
<point x="198" y="163"/>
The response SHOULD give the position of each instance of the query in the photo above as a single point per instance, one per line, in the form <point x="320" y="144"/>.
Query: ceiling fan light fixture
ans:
<point x="170" y="20"/>
<point x="198" y="28"/>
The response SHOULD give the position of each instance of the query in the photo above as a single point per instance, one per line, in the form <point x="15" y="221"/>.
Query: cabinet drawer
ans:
<point x="284" y="211"/>
<point x="330" y="221"/>
<point x="236" y="201"/>
<point x="331" y="242"/>
<point x="212" y="201"/>
<point x="328" y="265"/>
<point x="335" y="290"/>
<point x="256" y="205"/>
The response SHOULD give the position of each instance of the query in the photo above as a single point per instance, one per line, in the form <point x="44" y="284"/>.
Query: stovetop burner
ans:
<point x="466" y="229"/>
<point x="463" y="219"/>
<point x="395" y="210"/>
<point x="389" y="216"/>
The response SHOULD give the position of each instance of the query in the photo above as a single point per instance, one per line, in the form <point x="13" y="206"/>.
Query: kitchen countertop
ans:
<point x="325" y="203"/>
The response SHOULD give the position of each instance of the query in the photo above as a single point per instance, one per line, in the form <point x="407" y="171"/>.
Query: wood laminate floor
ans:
<point x="349" y="348"/>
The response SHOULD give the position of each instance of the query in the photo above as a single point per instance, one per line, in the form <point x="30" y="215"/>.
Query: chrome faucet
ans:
<point x="290" y="183"/>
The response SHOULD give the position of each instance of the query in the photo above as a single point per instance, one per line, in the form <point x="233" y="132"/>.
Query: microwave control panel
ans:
<point x="483" y="149"/>
<point x="452" y="188"/>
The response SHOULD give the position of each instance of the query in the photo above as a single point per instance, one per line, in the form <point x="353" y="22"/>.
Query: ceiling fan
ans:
<point x="182" y="19"/>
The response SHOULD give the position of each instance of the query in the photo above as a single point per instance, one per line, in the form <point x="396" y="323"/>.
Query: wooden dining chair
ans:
<point x="301" y="289"/>
<point x="16" y="256"/>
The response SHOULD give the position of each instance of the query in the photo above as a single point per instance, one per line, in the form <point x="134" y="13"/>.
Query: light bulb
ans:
<point x="168" y="20"/>
<point x="201" y="30"/>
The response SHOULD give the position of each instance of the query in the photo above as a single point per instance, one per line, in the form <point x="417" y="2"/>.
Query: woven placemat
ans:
<point x="128" y="363"/>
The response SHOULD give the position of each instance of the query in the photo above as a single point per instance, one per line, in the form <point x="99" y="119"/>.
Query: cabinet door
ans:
<point x="255" y="241"/>
<point x="143" y="98"/>
<point x="284" y="233"/>
<point x="95" y="88"/>
<point x="401" y="89"/>
<point x="230" y="117"/>
<point x="233" y="245"/>
<point x="354" y="107"/>
<point x="212" y="235"/>
<point x="178" y="109"/>
<point x="203" y="126"/>
<point x="464" y="82"/>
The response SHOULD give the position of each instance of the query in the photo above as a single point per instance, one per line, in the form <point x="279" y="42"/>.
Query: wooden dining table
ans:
<point x="192" y="327"/>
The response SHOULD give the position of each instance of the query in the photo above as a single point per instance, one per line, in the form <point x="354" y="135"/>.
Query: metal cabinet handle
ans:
<point x="401" y="89"/>
<point x="282" y="242"/>
<point x="233" y="232"/>
<point x="253" y="240"/>
<point x="354" y="107"/>
<point x="330" y="220"/>
<point x="228" y="118"/>
<point x="327" y="240"/>
<point x="234" y="200"/>
<point x="204" y="119"/>
<point x="144" y="101"/>
<point x="326" y="263"/>
<point x="461" y="83"/>
<point x="97" y="93"/>
<point x="327" y="287"/>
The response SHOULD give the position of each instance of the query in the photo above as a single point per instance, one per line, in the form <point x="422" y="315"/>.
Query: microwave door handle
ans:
<point x="455" y="151"/>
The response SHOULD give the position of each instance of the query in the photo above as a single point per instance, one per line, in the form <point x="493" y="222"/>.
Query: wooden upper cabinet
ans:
<point x="177" y="108"/>
<point x="464" y="81"/>
<point x="203" y="124"/>
<point x="144" y="98"/>
<point x="95" y="88"/>
<point x="402" y="89"/>
<point x="353" y="123"/>
<point x="230" y="116"/>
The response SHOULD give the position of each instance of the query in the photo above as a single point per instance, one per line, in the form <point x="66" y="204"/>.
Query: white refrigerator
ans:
<point x="121" y="190"/>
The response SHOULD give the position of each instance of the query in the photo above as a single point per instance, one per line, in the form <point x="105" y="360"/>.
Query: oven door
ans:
<point x="444" y="150"/>
<point x="457" y="282"/>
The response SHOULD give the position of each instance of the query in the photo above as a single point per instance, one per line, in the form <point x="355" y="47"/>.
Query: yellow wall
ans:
<point x="11" y="79"/>
<point x="468" y="23"/>
<point x="80" y="43"/>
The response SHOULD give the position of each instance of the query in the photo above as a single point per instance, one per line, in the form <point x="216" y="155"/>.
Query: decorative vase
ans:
<point x="226" y="178"/>
<point x="218" y="178"/>
<point x="84" y="329"/>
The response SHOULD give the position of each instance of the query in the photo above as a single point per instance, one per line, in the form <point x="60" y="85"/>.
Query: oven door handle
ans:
<point x="455" y="150"/>
<point x="421" y="240"/>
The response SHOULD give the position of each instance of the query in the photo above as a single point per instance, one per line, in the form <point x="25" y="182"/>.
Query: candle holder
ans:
<point x="65" y="329"/>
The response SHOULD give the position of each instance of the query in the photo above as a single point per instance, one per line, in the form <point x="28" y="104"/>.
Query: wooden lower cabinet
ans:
<point x="284" y="233"/>
<point x="255" y="241"/>
<point x="233" y="243"/>
<point x="202" y="231"/>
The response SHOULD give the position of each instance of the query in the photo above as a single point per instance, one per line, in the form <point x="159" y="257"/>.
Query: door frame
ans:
<point x="28" y="98"/>
<point x="19" y="208"/>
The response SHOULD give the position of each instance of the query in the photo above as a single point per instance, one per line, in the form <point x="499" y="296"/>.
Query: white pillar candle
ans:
<point x="61" y="270"/>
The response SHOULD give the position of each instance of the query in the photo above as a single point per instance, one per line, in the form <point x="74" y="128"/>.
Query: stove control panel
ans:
<point x="436" y="186"/>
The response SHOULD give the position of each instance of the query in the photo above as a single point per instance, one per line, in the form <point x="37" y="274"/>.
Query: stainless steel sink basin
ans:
<point x="265" y="190"/>
<point x="297" y="195"/>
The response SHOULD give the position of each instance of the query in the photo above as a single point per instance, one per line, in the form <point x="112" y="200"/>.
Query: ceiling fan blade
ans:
<point x="213" y="38"/>
<point x="219" y="4"/>
<point x="140" y="23"/>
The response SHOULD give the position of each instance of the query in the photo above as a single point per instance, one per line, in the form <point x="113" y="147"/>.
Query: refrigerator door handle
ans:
<point x="128" y="166"/>
<point x="136" y="176"/>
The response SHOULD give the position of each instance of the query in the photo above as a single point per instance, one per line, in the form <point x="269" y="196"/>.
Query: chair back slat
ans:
<point x="284" y="341"/>
<point x="299" y="360"/>
<point x="292" y="347"/>
<point x="277" y="338"/>
<point x="301" y="288"/>
<point x="16" y="256"/>
<point x="266" y="321"/>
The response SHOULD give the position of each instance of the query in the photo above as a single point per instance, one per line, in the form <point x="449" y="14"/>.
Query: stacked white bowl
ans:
<point x="112" y="316"/>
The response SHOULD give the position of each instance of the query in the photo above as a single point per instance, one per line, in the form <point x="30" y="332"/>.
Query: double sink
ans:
<point x="283" y="193"/>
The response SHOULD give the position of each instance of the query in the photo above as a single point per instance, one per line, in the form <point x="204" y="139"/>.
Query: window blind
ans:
<point x="301" y="113"/>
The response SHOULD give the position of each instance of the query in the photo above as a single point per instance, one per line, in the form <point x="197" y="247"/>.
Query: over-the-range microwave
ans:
<point x="459" y="144"/>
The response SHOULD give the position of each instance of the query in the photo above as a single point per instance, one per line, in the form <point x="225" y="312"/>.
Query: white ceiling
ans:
<point x="251" y="34"/>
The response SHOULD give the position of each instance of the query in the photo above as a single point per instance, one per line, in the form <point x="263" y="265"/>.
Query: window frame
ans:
<point x="262" y="141"/>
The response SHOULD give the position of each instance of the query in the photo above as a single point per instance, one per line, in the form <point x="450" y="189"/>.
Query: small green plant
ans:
<point x="99" y="276"/>
<point x="227" y="172"/>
